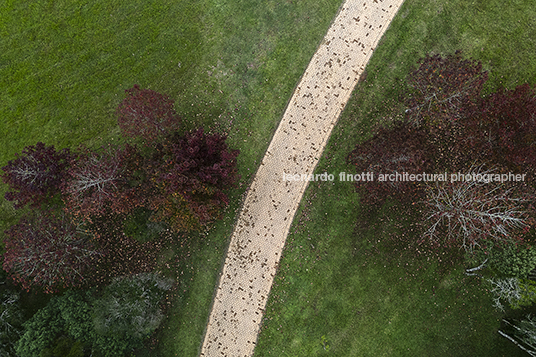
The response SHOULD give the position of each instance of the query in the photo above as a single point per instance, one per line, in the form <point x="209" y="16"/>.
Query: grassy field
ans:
<point x="348" y="284"/>
<point x="229" y="65"/>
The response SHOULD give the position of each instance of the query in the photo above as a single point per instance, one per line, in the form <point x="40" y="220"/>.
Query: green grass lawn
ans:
<point x="349" y="285"/>
<point x="229" y="65"/>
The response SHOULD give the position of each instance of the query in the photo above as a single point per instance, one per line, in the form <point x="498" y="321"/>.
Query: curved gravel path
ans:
<point x="263" y="224"/>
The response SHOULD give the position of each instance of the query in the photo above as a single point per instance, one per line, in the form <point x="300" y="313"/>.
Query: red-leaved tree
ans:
<point x="403" y="149"/>
<point x="146" y="114"/>
<point x="92" y="182"/>
<point x="507" y="122"/>
<point x="47" y="251"/>
<point x="191" y="173"/>
<point x="441" y="86"/>
<point x="36" y="174"/>
<point x="104" y="181"/>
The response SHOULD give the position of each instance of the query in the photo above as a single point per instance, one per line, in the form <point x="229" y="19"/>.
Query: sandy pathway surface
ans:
<point x="272" y="200"/>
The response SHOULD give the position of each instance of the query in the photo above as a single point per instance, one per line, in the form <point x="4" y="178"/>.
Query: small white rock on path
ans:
<point x="270" y="204"/>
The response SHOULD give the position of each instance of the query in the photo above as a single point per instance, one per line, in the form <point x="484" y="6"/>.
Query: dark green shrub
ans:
<point x="65" y="324"/>
<point x="514" y="261"/>
<point x="64" y="346"/>
<point x="40" y="331"/>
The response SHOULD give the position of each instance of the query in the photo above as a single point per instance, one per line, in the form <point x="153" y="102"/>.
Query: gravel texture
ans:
<point x="271" y="202"/>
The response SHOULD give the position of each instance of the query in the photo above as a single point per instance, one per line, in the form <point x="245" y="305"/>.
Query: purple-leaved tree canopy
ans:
<point x="36" y="174"/>
<point x="146" y="114"/>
